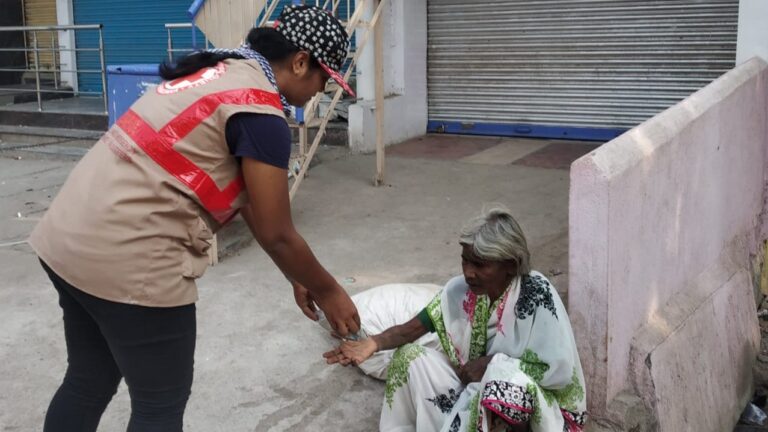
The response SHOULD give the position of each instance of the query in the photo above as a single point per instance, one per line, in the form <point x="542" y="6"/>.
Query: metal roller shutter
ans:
<point x="41" y="13"/>
<point x="572" y="67"/>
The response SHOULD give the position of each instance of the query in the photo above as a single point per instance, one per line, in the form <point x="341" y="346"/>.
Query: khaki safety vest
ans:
<point x="136" y="217"/>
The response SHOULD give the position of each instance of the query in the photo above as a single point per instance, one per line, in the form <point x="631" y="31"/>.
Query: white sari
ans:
<point x="534" y="376"/>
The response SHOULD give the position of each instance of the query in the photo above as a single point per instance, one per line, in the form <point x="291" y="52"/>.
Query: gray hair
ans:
<point x="496" y="236"/>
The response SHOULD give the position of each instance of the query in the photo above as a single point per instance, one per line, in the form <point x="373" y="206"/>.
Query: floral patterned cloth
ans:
<point x="535" y="375"/>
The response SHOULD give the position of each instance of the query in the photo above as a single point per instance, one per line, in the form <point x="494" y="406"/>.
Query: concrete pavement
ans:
<point x="258" y="360"/>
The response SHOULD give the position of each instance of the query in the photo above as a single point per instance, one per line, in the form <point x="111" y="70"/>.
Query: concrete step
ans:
<point x="38" y="134"/>
<point x="27" y="92"/>
<point x="51" y="119"/>
<point x="65" y="143"/>
<point x="67" y="150"/>
<point x="30" y="77"/>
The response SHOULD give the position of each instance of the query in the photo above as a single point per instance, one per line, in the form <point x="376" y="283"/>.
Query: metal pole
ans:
<point x="103" y="69"/>
<point x="24" y="23"/>
<point x="73" y="63"/>
<point x="53" y="55"/>
<point x="170" y="45"/>
<point x="50" y="28"/>
<point x="194" y="36"/>
<point x="37" y="71"/>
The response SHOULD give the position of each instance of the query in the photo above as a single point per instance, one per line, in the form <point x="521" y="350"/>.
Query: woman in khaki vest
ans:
<point x="128" y="233"/>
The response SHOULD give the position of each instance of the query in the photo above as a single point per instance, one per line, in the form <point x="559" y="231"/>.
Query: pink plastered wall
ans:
<point x="651" y="210"/>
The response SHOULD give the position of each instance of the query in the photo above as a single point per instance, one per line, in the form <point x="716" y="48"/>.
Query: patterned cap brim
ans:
<point x="338" y="78"/>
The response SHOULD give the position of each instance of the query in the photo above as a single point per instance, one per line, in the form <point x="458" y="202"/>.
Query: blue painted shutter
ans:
<point x="134" y="32"/>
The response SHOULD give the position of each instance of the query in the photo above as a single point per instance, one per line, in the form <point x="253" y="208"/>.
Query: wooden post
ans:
<point x="303" y="139"/>
<point x="378" y="46"/>
<point x="213" y="252"/>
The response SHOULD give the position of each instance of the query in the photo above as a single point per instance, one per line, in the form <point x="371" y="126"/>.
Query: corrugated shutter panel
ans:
<point x="41" y="13"/>
<point x="134" y="32"/>
<point x="583" y="63"/>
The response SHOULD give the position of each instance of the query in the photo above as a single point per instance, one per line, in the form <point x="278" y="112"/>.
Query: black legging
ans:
<point x="153" y="348"/>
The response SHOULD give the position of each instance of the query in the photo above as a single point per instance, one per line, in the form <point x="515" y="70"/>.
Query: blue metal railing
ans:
<point x="194" y="9"/>
<point x="192" y="12"/>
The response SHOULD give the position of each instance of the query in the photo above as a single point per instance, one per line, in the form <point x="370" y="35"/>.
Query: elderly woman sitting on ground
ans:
<point x="508" y="359"/>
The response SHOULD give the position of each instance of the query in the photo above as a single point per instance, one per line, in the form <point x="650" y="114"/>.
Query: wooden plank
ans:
<point x="303" y="139"/>
<point x="213" y="251"/>
<point x="270" y="11"/>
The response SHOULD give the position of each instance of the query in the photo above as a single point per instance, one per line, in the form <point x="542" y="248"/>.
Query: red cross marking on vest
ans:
<point x="158" y="145"/>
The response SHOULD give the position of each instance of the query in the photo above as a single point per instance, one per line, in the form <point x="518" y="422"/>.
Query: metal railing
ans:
<point x="32" y="38"/>
<point x="172" y="50"/>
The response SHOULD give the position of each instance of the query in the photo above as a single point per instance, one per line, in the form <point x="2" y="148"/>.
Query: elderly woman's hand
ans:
<point x="352" y="352"/>
<point x="474" y="370"/>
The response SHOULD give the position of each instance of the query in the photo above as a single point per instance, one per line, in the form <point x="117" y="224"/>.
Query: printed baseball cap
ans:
<point x="314" y="29"/>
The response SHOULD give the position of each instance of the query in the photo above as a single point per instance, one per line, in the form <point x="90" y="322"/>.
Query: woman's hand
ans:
<point x="474" y="370"/>
<point x="352" y="352"/>
<point x="339" y="310"/>
<point x="305" y="301"/>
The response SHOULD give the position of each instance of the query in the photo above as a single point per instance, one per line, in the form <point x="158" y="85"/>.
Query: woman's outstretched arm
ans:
<point x="268" y="215"/>
<point x="356" y="352"/>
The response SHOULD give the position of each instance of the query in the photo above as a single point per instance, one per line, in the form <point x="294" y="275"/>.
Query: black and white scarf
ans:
<point x="246" y="52"/>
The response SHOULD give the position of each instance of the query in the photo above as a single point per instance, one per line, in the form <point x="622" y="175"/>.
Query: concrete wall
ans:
<point x="405" y="79"/>
<point x="752" y="38"/>
<point x="662" y="222"/>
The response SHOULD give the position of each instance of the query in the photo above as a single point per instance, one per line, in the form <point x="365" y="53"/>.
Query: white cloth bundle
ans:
<point x="385" y="306"/>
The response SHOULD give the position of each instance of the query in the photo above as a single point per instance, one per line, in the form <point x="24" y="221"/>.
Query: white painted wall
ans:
<point x="67" y="59"/>
<point x="405" y="78"/>
<point x="752" y="39"/>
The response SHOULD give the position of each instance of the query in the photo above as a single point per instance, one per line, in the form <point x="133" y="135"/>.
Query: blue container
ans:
<point x="126" y="84"/>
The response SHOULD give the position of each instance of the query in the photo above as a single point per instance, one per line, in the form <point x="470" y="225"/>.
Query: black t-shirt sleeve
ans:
<point x="264" y="137"/>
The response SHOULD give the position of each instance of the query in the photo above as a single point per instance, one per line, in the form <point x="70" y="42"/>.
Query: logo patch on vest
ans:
<point x="119" y="145"/>
<point x="201" y="77"/>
